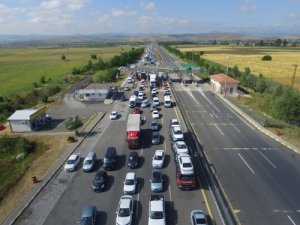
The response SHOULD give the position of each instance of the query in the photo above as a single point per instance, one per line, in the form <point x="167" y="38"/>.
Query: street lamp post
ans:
<point x="227" y="57"/>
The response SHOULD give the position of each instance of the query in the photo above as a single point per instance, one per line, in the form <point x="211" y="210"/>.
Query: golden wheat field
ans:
<point x="280" y="68"/>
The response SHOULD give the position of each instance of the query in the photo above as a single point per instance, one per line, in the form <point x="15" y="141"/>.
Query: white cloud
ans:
<point x="122" y="12"/>
<point x="294" y="15"/>
<point x="49" y="5"/>
<point x="147" y="6"/>
<point x="248" y="8"/>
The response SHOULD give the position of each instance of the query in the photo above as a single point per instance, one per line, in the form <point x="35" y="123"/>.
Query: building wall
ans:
<point x="220" y="88"/>
<point x="20" y="125"/>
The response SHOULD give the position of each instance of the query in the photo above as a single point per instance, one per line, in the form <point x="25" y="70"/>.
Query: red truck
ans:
<point x="133" y="130"/>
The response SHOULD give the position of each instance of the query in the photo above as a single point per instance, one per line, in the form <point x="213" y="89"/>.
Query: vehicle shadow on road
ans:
<point x="167" y="160"/>
<point x="146" y="136"/>
<point x="141" y="161"/>
<point x="141" y="183"/>
<point x="121" y="162"/>
<point x="101" y="218"/>
<point x="171" y="212"/>
<point x="138" y="212"/>
<point x="110" y="182"/>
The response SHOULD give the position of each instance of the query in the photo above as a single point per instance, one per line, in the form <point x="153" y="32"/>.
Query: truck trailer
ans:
<point x="133" y="131"/>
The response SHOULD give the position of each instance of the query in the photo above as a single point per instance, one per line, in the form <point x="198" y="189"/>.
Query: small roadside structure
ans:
<point x="28" y="120"/>
<point x="93" y="92"/>
<point x="224" y="84"/>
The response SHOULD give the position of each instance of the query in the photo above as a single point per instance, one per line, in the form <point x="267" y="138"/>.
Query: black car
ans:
<point x="99" y="181"/>
<point x="133" y="160"/>
<point x="123" y="98"/>
<point x="110" y="159"/>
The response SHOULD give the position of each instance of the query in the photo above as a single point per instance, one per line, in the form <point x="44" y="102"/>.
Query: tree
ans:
<point x="235" y="72"/>
<point x="73" y="123"/>
<point x="284" y="43"/>
<point x="261" y="85"/>
<point x="278" y="42"/>
<point x="93" y="56"/>
<point x="43" y="79"/>
<point x="266" y="58"/>
<point x="63" y="57"/>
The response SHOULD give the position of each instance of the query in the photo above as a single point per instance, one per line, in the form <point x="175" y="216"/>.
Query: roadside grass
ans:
<point x="20" y="67"/>
<point x="258" y="103"/>
<point x="279" y="69"/>
<point x="12" y="169"/>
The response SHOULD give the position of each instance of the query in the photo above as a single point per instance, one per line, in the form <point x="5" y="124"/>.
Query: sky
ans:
<point x="67" y="17"/>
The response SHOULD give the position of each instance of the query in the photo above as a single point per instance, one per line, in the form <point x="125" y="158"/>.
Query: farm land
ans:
<point x="20" y="67"/>
<point x="279" y="68"/>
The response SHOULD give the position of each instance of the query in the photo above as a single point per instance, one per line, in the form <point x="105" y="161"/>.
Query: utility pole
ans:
<point x="227" y="57"/>
<point x="294" y="75"/>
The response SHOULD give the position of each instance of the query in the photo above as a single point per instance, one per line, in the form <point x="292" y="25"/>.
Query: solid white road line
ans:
<point x="291" y="220"/>
<point x="219" y="129"/>
<point x="246" y="163"/>
<point x="269" y="161"/>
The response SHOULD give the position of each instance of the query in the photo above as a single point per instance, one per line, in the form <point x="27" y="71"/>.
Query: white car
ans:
<point x="185" y="164"/>
<point x="155" y="101"/>
<point x="144" y="103"/>
<point x="130" y="183"/>
<point x="176" y="134"/>
<point x="198" y="217"/>
<point x="72" y="162"/>
<point x="180" y="147"/>
<point x="158" y="159"/>
<point x="174" y="122"/>
<point x="141" y="96"/>
<point x="113" y="115"/>
<point x="125" y="210"/>
<point x="155" y="114"/>
<point x="154" y="91"/>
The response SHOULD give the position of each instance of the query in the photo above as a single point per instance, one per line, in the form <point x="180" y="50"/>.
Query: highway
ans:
<point x="62" y="200"/>
<point x="259" y="176"/>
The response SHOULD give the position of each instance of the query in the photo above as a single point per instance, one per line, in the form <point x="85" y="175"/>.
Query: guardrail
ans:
<point x="199" y="155"/>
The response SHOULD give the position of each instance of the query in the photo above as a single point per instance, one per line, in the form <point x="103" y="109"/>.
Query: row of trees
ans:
<point x="283" y="102"/>
<point x="119" y="60"/>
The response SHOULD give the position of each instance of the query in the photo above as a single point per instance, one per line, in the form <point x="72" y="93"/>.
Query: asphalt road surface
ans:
<point x="259" y="176"/>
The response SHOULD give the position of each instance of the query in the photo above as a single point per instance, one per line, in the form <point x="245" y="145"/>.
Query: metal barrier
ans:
<point x="199" y="155"/>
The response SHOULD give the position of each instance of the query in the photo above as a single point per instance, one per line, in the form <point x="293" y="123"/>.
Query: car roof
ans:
<point x="133" y="154"/>
<point x="185" y="158"/>
<point x="88" y="211"/>
<point x="155" y="132"/>
<point x="176" y="128"/>
<point x="100" y="173"/>
<point x="153" y="121"/>
<point x="130" y="175"/>
<point x="199" y="214"/>
<point x="73" y="156"/>
<point x="159" y="152"/>
<point x="180" y="143"/>
<point x="125" y="201"/>
<point x="113" y="111"/>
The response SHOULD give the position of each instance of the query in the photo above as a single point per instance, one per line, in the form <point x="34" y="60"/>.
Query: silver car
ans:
<point x="155" y="138"/>
<point x="156" y="181"/>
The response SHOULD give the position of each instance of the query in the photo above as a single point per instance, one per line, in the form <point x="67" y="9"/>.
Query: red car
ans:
<point x="136" y="110"/>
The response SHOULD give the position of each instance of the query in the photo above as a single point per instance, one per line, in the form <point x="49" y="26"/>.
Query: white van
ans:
<point x="129" y="80"/>
<point x="167" y="101"/>
<point x="132" y="101"/>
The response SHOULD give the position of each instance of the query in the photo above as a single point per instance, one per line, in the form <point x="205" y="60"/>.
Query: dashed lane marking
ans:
<point x="246" y="163"/>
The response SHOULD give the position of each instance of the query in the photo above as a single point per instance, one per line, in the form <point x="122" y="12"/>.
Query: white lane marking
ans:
<point x="219" y="129"/>
<point x="236" y="128"/>
<point x="291" y="220"/>
<point x="246" y="163"/>
<point x="269" y="161"/>
<point x="138" y="200"/>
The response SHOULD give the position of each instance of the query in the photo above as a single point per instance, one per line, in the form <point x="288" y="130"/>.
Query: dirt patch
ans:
<point x="55" y="145"/>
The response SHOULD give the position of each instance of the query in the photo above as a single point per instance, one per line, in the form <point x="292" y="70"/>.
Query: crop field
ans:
<point x="279" y="69"/>
<point x="20" y="67"/>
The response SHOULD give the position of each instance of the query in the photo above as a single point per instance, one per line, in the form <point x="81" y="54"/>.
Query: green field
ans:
<point x="279" y="69"/>
<point x="20" y="67"/>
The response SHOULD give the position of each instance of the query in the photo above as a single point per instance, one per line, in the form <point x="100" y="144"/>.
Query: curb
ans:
<point x="259" y="127"/>
<point x="52" y="174"/>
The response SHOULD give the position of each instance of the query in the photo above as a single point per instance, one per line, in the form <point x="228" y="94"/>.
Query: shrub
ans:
<point x="73" y="123"/>
<point x="266" y="58"/>
<point x="45" y="98"/>
<point x="52" y="90"/>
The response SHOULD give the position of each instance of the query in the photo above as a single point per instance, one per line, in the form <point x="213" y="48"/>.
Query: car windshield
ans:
<point x="129" y="182"/>
<point x="88" y="162"/>
<point x="181" y="146"/>
<point x="156" y="178"/>
<point x="153" y="124"/>
<point x="158" y="157"/>
<point x="123" y="212"/>
<point x="200" y="221"/>
<point x="186" y="165"/>
<point x="70" y="161"/>
<point x="157" y="215"/>
<point x="186" y="177"/>
<point x="155" y="135"/>
<point x="177" y="132"/>
<point x="86" y="221"/>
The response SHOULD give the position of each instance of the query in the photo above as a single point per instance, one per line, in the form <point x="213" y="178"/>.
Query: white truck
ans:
<point x="153" y="80"/>
<point x="157" y="214"/>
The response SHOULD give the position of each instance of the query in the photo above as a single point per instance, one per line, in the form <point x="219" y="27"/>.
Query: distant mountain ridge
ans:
<point x="132" y="38"/>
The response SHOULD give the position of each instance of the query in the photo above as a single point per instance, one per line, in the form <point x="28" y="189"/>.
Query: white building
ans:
<point x="93" y="92"/>
<point x="27" y="120"/>
<point x="222" y="83"/>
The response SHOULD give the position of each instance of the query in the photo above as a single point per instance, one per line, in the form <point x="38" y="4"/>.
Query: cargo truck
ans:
<point x="133" y="131"/>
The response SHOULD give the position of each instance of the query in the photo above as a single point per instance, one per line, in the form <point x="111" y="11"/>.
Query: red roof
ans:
<point x="222" y="77"/>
